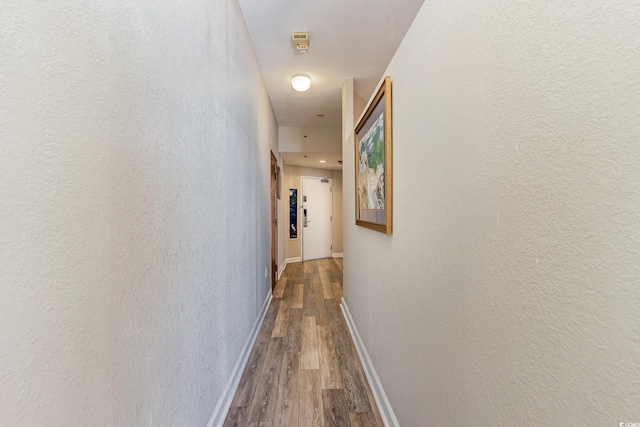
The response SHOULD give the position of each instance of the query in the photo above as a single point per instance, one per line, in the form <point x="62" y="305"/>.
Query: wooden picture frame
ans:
<point x="293" y="213"/>
<point x="373" y="163"/>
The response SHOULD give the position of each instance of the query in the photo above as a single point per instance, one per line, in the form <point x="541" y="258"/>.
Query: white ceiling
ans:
<point x="313" y="160"/>
<point x="348" y="38"/>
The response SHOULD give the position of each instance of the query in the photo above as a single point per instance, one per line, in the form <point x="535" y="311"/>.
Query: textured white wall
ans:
<point x="508" y="293"/>
<point x="134" y="214"/>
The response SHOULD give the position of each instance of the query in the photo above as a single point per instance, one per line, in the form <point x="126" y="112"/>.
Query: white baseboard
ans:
<point x="292" y="260"/>
<point x="384" y="407"/>
<point x="337" y="255"/>
<point x="224" y="403"/>
<point x="281" y="269"/>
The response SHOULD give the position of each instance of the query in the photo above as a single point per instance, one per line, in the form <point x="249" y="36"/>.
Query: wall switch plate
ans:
<point x="266" y="273"/>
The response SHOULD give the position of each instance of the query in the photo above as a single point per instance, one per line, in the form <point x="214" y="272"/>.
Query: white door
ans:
<point x="316" y="218"/>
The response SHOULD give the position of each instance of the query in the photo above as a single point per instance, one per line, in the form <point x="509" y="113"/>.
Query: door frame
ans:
<point x="273" y="179"/>
<point x="301" y="226"/>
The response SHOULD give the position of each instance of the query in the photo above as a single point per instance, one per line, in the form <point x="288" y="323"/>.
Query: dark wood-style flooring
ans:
<point x="304" y="369"/>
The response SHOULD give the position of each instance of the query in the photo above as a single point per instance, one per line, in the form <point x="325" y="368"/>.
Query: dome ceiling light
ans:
<point x="301" y="82"/>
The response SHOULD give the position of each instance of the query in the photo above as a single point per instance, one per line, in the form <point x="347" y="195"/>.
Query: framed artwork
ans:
<point x="373" y="163"/>
<point x="293" y="213"/>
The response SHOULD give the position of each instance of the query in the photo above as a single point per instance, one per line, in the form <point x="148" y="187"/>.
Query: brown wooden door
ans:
<point x="274" y="220"/>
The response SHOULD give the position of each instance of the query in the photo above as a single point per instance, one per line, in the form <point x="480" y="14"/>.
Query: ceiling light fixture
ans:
<point x="300" y="82"/>
<point x="323" y="161"/>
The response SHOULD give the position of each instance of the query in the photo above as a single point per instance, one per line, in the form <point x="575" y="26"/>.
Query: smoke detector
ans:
<point x="301" y="40"/>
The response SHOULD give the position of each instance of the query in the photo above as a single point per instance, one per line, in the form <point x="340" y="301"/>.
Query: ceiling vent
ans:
<point x="301" y="40"/>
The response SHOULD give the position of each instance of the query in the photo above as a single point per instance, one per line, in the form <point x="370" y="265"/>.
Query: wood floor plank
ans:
<point x="298" y="272"/>
<point x="263" y="424"/>
<point x="335" y="409"/>
<point x="288" y="400"/>
<point x="372" y="401"/>
<point x="336" y="271"/>
<point x="325" y="280"/>
<point x="336" y="291"/>
<point x="311" y="411"/>
<point x="320" y="310"/>
<point x="279" y="289"/>
<point x="309" y="358"/>
<point x="308" y="305"/>
<point x="264" y="399"/>
<point x="251" y="373"/>
<point x="320" y="307"/>
<point x="333" y="273"/>
<point x="288" y="289"/>
<point x="237" y="417"/>
<point x="329" y="370"/>
<point x="298" y="295"/>
<point x="270" y="317"/>
<point x="293" y="340"/>
<point x="364" y="419"/>
<point x="352" y="382"/>
<point x="327" y="290"/>
<point x="311" y="269"/>
<point x="282" y="319"/>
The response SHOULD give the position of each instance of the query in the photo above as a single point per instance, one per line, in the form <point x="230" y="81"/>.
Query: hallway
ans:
<point x="304" y="369"/>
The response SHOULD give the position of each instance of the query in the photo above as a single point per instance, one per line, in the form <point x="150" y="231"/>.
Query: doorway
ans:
<point x="316" y="217"/>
